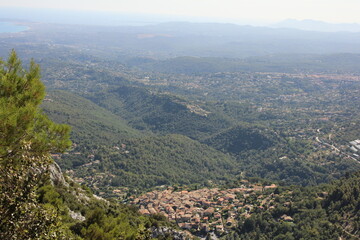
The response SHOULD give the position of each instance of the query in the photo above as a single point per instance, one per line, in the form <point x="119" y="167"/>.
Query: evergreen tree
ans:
<point x="27" y="137"/>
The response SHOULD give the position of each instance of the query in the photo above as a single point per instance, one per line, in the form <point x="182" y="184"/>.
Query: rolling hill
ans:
<point x="148" y="162"/>
<point x="160" y="113"/>
<point x="90" y="123"/>
<point x="242" y="138"/>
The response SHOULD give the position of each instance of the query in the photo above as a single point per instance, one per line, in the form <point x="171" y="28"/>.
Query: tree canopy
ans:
<point x="27" y="139"/>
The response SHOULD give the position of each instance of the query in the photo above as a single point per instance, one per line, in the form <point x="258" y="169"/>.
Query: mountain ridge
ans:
<point x="317" y="26"/>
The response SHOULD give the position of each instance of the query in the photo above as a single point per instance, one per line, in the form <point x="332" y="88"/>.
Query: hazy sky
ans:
<point x="260" y="10"/>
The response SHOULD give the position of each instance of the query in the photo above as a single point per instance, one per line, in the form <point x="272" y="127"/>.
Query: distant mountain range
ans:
<point x="318" y="26"/>
<point x="100" y="18"/>
<point x="178" y="39"/>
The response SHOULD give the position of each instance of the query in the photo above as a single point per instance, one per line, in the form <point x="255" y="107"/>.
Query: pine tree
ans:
<point x="27" y="139"/>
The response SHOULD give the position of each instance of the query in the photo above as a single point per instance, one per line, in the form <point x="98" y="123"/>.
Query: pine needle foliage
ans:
<point x="27" y="139"/>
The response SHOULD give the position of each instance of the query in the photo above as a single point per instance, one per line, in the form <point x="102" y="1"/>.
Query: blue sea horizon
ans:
<point x="8" y="27"/>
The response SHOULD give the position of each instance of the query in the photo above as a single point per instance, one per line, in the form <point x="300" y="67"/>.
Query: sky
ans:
<point x="334" y="11"/>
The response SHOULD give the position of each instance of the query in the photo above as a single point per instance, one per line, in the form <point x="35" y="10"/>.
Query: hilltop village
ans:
<point x="207" y="210"/>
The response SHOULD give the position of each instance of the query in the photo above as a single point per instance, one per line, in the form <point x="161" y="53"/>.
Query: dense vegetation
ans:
<point x="81" y="215"/>
<point x="27" y="139"/>
<point x="90" y="123"/>
<point x="160" y="113"/>
<point x="153" y="161"/>
<point x="323" y="212"/>
<point x="241" y="138"/>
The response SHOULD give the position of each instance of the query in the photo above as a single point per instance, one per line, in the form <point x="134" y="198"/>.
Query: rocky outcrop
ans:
<point x="164" y="232"/>
<point x="76" y="216"/>
<point x="56" y="175"/>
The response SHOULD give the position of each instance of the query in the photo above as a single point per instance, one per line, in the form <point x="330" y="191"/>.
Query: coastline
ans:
<point x="7" y="26"/>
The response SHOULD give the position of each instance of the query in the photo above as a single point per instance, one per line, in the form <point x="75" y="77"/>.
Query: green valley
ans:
<point x="179" y="131"/>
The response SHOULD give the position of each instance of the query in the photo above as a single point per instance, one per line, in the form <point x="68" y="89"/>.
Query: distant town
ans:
<point x="207" y="210"/>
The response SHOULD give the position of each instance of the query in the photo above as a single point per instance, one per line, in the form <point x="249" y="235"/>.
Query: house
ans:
<point x="230" y="197"/>
<point x="355" y="144"/>
<point x="152" y="211"/>
<point x="352" y="148"/>
<point x="219" y="228"/>
<point x="185" y="225"/>
<point x="271" y="186"/>
<point x="144" y="212"/>
<point x="196" y="219"/>
<point x="185" y="217"/>
<point x="286" y="218"/>
<point x="205" y="227"/>
<point x="209" y="212"/>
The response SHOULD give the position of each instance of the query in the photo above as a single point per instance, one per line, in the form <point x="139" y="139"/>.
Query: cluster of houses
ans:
<point x="204" y="210"/>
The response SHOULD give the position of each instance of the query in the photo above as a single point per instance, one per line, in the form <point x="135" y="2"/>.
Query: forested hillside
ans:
<point x="324" y="212"/>
<point x="153" y="161"/>
<point x="160" y="113"/>
<point x="90" y="123"/>
<point x="243" y="138"/>
<point x="117" y="155"/>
